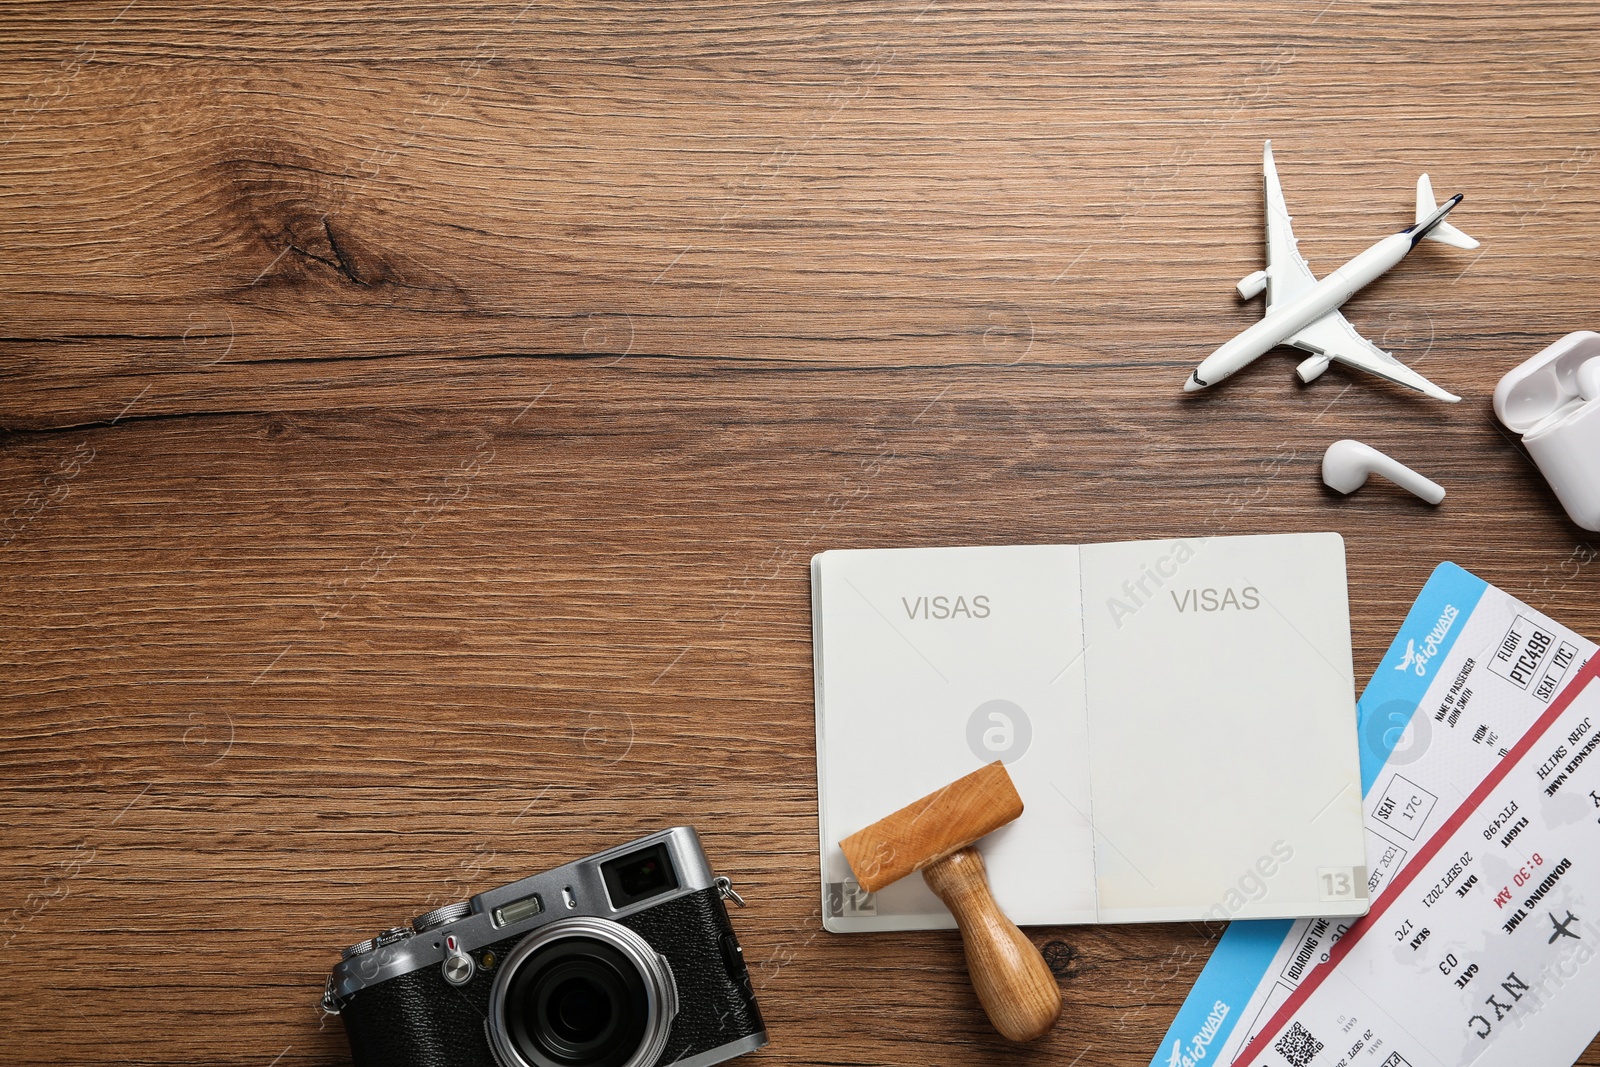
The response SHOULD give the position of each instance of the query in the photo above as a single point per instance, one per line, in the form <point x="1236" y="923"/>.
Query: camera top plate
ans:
<point x="574" y="889"/>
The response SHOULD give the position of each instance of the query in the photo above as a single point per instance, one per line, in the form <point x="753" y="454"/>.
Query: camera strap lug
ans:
<point x="726" y="891"/>
<point x="330" y="1004"/>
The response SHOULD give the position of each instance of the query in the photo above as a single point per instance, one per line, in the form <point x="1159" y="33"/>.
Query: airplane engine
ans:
<point x="1251" y="285"/>
<point x="1311" y="369"/>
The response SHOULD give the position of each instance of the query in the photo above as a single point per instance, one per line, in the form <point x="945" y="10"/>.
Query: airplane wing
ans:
<point x="1332" y="336"/>
<point x="1288" y="275"/>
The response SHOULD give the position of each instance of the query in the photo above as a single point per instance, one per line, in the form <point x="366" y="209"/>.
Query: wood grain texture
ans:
<point x="415" y="421"/>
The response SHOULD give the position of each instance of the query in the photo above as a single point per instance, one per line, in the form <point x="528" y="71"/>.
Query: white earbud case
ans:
<point x="1560" y="425"/>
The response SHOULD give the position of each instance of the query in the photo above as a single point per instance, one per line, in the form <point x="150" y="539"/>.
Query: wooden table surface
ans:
<point x="417" y="419"/>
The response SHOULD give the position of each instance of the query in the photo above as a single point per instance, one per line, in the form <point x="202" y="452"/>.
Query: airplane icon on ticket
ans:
<point x="1562" y="928"/>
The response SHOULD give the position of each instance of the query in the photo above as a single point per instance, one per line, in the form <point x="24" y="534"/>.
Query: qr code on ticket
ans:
<point x="1298" y="1046"/>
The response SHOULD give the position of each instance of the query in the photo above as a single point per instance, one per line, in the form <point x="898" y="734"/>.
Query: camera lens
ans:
<point x="579" y="1002"/>
<point x="579" y="1011"/>
<point x="582" y="992"/>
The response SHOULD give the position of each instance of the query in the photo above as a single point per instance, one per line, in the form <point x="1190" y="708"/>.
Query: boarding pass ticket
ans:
<point x="1461" y="702"/>
<point x="1481" y="952"/>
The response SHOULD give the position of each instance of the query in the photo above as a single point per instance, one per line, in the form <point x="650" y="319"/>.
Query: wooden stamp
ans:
<point x="935" y="835"/>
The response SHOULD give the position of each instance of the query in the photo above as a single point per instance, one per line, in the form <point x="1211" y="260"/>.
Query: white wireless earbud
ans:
<point x="1589" y="380"/>
<point x="1346" y="465"/>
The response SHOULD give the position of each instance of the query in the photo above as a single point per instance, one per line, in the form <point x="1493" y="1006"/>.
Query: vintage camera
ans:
<point x="623" y="959"/>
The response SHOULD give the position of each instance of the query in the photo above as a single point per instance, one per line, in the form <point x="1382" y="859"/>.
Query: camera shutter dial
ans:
<point x="441" y="916"/>
<point x="357" y="949"/>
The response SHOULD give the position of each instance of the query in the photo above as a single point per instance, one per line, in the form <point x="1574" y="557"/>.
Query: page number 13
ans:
<point x="1337" y="883"/>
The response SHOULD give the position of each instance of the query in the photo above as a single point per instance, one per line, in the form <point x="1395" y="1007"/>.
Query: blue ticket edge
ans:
<point x="1245" y="952"/>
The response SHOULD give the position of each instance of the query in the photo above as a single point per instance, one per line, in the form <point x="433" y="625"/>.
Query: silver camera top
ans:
<point x="607" y="885"/>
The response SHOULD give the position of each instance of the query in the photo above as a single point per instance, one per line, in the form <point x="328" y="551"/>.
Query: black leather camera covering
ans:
<point x="420" y="1020"/>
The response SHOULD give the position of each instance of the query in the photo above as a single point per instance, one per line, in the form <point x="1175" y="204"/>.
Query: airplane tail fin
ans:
<point x="1443" y="232"/>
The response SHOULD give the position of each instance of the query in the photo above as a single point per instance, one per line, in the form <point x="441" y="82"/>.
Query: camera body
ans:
<point x="623" y="959"/>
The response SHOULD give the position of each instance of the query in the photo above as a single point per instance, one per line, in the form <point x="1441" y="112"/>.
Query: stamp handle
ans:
<point x="1013" y="983"/>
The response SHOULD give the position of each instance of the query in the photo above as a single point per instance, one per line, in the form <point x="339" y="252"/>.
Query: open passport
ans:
<point x="1178" y="717"/>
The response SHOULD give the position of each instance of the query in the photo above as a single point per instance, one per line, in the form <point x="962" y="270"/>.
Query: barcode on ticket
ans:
<point x="1298" y="1046"/>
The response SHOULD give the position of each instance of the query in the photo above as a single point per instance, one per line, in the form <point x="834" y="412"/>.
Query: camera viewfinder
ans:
<point x="639" y="875"/>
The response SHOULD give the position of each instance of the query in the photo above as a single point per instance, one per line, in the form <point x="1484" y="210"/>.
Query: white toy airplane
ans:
<point x="1304" y="312"/>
